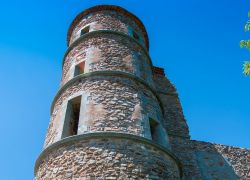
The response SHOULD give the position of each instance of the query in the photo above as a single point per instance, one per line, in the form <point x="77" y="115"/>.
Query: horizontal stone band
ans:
<point x="103" y="8"/>
<point x="100" y="32"/>
<point x="104" y="135"/>
<point x="105" y="73"/>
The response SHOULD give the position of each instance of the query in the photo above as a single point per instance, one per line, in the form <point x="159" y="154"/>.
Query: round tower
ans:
<point x="107" y="119"/>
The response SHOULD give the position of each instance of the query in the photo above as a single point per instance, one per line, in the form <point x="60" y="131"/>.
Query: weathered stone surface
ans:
<point x="107" y="52"/>
<point x="181" y="147"/>
<point x="108" y="20"/>
<point x="218" y="161"/>
<point x="203" y="160"/>
<point x="174" y="120"/>
<point x="107" y="159"/>
<point x="200" y="160"/>
<point x="124" y="106"/>
<point x="124" y="116"/>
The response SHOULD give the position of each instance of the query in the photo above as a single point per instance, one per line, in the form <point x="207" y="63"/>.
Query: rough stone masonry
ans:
<point x="116" y="116"/>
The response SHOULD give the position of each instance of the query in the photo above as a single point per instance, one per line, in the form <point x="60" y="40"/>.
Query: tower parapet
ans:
<point x="107" y="118"/>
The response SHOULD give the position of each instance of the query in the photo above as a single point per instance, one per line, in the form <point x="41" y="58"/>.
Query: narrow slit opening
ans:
<point x="135" y="35"/>
<point x="153" y="129"/>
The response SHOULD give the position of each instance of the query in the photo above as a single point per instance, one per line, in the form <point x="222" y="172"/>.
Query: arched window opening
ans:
<point x="72" y="117"/>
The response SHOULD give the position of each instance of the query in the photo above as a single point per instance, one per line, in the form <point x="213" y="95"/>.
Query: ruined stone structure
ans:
<point x="116" y="116"/>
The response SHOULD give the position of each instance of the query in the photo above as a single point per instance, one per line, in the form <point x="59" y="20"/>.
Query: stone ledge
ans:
<point x="100" y="135"/>
<point x="105" y="73"/>
<point x="99" y="32"/>
<point x="168" y="94"/>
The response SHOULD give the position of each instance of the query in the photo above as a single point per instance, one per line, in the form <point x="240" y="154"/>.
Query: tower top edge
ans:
<point x="111" y="8"/>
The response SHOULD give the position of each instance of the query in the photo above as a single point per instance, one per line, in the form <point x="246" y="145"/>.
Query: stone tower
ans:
<point x="116" y="116"/>
<point x="107" y="121"/>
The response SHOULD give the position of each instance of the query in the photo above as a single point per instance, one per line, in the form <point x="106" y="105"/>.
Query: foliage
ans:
<point x="247" y="26"/>
<point x="246" y="44"/>
<point x="246" y="68"/>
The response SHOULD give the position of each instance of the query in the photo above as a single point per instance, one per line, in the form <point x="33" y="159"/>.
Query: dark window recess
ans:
<point x="85" y="30"/>
<point x="154" y="130"/>
<point x="79" y="68"/>
<point x="72" y="117"/>
<point x="135" y="35"/>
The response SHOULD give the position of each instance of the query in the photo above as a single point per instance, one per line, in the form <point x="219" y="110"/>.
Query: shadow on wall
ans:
<point x="219" y="161"/>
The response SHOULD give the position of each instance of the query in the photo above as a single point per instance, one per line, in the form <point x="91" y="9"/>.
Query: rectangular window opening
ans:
<point x="135" y="35"/>
<point x="72" y="117"/>
<point x="153" y="129"/>
<point x="79" y="68"/>
<point x="85" y="30"/>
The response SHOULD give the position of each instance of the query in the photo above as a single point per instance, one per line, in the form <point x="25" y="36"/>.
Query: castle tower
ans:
<point x="107" y="119"/>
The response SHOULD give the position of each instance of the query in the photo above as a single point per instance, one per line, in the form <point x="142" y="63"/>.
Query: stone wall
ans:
<point x="219" y="161"/>
<point x="108" y="51"/>
<point x="182" y="148"/>
<point x="108" y="20"/>
<point x="109" y="103"/>
<point x="174" y="120"/>
<point x="206" y="161"/>
<point x="106" y="158"/>
<point x="120" y="95"/>
<point x="200" y="160"/>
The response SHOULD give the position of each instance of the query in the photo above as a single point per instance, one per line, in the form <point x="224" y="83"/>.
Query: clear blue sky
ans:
<point x="197" y="42"/>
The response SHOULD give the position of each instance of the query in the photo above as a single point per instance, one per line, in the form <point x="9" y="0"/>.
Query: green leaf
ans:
<point x="246" y="68"/>
<point x="242" y="43"/>
<point x="247" y="26"/>
<point x="248" y="44"/>
<point x="245" y="43"/>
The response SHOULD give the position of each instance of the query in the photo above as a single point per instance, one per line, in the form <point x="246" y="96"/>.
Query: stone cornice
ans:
<point x="101" y="135"/>
<point x="105" y="73"/>
<point x="101" y="32"/>
<point x="110" y="8"/>
<point x="167" y="93"/>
